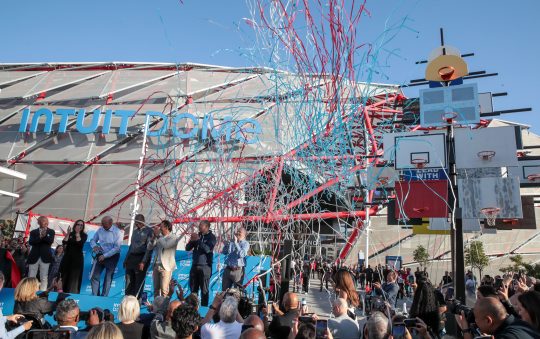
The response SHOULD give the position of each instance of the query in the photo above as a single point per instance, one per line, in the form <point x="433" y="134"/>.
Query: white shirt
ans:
<point x="109" y="240"/>
<point x="221" y="330"/>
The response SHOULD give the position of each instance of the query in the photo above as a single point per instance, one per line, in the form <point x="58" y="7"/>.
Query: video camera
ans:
<point x="246" y="306"/>
<point x="456" y="307"/>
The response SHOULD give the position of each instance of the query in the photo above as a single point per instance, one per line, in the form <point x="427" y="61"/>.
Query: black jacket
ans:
<point x="37" y="307"/>
<point x="513" y="328"/>
<point x="203" y="249"/>
<point x="281" y="325"/>
<point x="41" y="247"/>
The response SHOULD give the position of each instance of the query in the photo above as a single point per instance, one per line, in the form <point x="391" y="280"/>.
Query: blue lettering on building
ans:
<point x="244" y="130"/>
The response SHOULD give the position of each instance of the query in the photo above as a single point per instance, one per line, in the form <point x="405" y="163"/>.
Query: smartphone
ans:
<point x="270" y="307"/>
<point x="498" y="284"/>
<point x="307" y="319"/>
<point x="398" y="331"/>
<point x="321" y="328"/>
<point x="410" y="322"/>
<point x="144" y="298"/>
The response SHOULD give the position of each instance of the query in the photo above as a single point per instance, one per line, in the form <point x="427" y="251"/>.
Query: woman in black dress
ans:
<point x="72" y="264"/>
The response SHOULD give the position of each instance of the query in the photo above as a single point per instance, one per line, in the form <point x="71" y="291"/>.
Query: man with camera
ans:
<point x="491" y="318"/>
<point x="40" y="255"/>
<point x="236" y="251"/>
<point x="106" y="252"/>
<point x="202" y="244"/>
<point x="136" y="262"/>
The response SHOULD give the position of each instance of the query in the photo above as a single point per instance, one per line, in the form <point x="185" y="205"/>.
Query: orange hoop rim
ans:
<point x="486" y="155"/>
<point x="419" y="163"/>
<point x="533" y="177"/>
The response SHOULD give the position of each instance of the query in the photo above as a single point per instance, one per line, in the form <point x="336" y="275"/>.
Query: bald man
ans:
<point x="162" y="329"/>
<point x="342" y="326"/>
<point x="252" y="333"/>
<point x="106" y="252"/>
<point x="255" y="322"/>
<point x="282" y="322"/>
<point x="236" y="250"/>
<point x="491" y="318"/>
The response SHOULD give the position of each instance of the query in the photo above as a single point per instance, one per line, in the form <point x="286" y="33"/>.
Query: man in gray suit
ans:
<point x="163" y="243"/>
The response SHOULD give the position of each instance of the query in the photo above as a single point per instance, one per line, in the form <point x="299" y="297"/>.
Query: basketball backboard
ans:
<point x="381" y="177"/>
<point x="418" y="199"/>
<point x="530" y="220"/>
<point x="459" y="102"/>
<point x="404" y="149"/>
<point x="476" y="194"/>
<point x="527" y="171"/>
<point x="486" y="147"/>
<point x="443" y="224"/>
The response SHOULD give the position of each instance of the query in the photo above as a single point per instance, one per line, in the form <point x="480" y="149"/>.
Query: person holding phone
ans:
<point x="163" y="243"/>
<point x="71" y="267"/>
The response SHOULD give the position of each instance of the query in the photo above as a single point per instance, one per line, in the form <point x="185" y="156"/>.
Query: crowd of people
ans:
<point x="365" y="301"/>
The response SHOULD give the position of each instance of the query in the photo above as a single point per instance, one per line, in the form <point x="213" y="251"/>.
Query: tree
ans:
<point x="476" y="257"/>
<point x="518" y="264"/>
<point x="421" y="256"/>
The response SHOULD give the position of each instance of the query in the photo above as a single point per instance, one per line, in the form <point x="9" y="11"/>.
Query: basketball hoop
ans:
<point x="449" y="117"/>
<point x="383" y="181"/>
<point x="490" y="213"/>
<point x="486" y="155"/>
<point x="419" y="163"/>
<point x="510" y="221"/>
<point x="534" y="177"/>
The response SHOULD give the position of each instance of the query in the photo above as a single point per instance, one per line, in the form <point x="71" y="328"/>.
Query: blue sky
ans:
<point x="504" y="35"/>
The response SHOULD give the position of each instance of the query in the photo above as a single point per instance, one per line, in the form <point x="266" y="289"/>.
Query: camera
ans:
<point x="456" y="307"/>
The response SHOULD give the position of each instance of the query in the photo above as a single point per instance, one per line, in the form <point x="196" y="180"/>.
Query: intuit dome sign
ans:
<point x="180" y="125"/>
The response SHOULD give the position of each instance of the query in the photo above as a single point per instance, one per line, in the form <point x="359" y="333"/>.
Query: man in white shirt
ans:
<point x="227" y="327"/>
<point x="106" y="251"/>
<point x="4" y="334"/>
<point x="342" y="326"/>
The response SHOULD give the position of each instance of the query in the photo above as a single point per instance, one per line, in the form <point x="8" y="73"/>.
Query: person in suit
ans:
<point x="163" y="243"/>
<point x="136" y="262"/>
<point x="40" y="255"/>
<point x="202" y="244"/>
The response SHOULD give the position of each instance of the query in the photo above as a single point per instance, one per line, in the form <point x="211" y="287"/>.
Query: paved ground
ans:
<point x="321" y="302"/>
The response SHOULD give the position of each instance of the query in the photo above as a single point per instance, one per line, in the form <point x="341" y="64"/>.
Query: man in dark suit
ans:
<point x="40" y="255"/>
<point x="202" y="244"/>
<point x="68" y="316"/>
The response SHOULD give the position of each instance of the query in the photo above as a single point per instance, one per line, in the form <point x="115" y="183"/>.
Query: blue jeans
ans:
<point x="109" y="265"/>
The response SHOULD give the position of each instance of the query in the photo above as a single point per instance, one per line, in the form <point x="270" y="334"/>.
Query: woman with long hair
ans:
<point x="28" y="302"/>
<point x="344" y="286"/>
<point x="71" y="268"/>
<point x="428" y="306"/>
<point x="529" y="308"/>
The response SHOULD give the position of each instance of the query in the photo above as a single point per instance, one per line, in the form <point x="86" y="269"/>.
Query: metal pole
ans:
<point x="139" y="175"/>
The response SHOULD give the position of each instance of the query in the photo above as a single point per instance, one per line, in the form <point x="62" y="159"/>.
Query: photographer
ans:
<point x="429" y="306"/>
<point x="491" y="318"/>
<point x="229" y="325"/>
<point x="282" y="322"/>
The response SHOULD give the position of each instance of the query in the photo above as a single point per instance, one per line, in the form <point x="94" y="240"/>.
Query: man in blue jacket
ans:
<point x="202" y="244"/>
